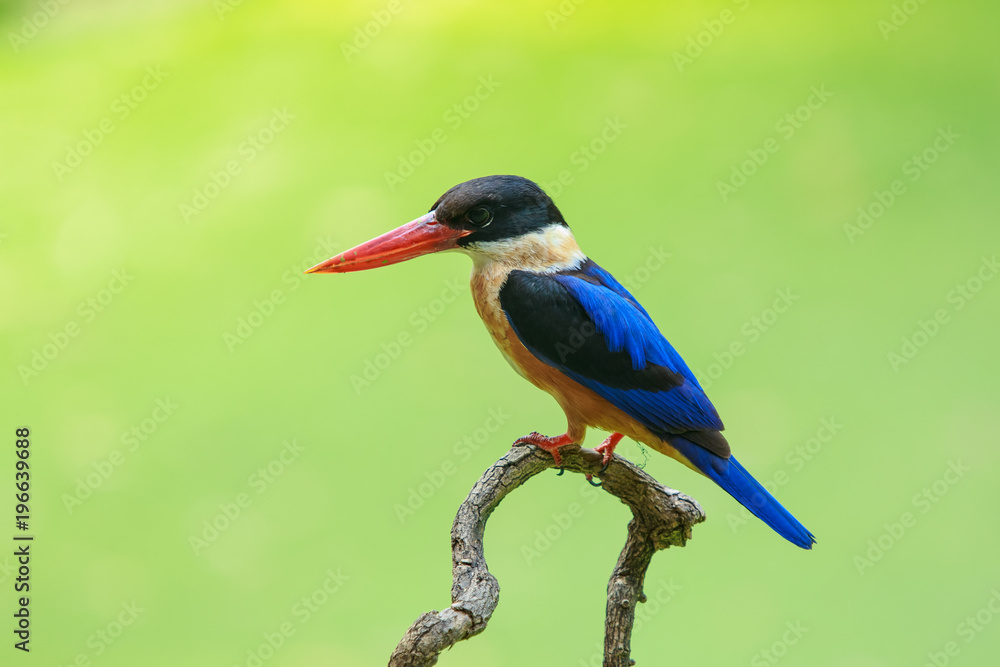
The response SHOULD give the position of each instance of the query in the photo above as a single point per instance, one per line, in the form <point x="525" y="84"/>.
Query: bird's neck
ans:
<point x="545" y="251"/>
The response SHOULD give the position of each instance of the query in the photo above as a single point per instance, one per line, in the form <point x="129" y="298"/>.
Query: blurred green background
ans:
<point x="169" y="168"/>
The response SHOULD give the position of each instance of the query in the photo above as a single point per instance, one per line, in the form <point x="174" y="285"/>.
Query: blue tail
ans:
<point x="733" y="477"/>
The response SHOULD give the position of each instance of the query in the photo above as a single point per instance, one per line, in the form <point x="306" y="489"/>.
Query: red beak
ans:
<point x="420" y="237"/>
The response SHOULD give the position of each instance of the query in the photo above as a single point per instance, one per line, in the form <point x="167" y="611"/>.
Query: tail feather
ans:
<point x="733" y="477"/>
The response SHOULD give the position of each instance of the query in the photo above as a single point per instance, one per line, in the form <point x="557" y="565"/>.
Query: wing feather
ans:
<point x="588" y="326"/>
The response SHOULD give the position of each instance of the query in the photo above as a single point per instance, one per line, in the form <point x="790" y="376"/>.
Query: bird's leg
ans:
<point x="608" y="447"/>
<point x="552" y="444"/>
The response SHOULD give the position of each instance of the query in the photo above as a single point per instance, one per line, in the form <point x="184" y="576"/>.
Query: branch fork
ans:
<point x="661" y="518"/>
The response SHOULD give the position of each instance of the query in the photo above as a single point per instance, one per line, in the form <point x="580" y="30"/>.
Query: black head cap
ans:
<point x="497" y="208"/>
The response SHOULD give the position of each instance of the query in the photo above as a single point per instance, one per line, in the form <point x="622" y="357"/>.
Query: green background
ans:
<point x="559" y="74"/>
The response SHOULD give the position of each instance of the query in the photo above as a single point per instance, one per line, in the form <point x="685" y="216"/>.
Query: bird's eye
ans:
<point x="480" y="216"/>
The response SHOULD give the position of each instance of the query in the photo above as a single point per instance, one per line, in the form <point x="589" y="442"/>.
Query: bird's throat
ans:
<point x="547" y="250"/>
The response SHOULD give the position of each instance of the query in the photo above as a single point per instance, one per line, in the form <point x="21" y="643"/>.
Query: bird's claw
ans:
<point x="590" y="480"/>
<point x="528" y="439"/>
<point x="607" y="448"/>
<point x="550" y="445"/>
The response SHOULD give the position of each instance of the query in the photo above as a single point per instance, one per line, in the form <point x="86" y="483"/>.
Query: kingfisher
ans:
<point x="568" y="327"/>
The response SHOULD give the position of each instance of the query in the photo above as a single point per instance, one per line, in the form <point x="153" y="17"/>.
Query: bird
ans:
<point x="567" y="326"/>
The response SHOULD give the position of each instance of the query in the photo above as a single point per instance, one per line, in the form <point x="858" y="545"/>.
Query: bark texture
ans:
<point x="661" y="518"/>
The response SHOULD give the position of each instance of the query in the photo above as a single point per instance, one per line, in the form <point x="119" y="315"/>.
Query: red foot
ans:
<point x="551" y="445"/>
<point x="608" y="446"/>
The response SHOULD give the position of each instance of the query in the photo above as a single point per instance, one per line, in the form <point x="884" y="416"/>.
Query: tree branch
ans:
<point x="661" y="518"/>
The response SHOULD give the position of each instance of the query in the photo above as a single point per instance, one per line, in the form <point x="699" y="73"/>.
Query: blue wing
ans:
<point x="588" y="326"/>
<point x="585" y="324"/>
